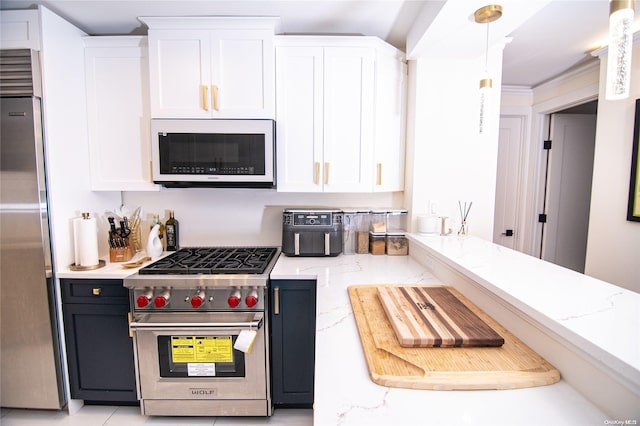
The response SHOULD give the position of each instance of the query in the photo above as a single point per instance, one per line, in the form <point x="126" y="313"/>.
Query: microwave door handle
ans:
<point x="296" y="244"/>
<point x="327" y="244"/>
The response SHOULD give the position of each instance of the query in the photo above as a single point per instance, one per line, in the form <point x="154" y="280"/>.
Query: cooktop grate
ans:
<point x="213" y="260"/>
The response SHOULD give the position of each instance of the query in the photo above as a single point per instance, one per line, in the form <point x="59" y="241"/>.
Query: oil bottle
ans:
<point x="171" y="229"/>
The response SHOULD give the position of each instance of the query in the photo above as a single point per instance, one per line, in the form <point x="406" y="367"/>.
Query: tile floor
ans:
<point x="102" y="415"/>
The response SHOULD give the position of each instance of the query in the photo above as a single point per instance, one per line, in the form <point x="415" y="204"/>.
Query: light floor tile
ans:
<point x="99" y="415"/>
<point x="280" y="417"/>
<point x="89" y="415"/>
<point x="130" y="416"/>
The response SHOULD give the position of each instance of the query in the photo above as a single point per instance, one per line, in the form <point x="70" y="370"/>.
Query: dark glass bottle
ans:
<point x="171" y="229"/>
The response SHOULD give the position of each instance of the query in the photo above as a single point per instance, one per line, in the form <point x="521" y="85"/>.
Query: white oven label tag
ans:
<point x="201" y="369"/>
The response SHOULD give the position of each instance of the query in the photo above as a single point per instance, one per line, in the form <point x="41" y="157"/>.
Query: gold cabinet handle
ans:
<point x="276" y="300"/>
<point x="327" y="166"/>
<point x="214" y="91"/>
<point x="129" y="321"/>
<point x="316" y="173"/>
<point x="379" y="174"/>
<point x="96" y="291"/>
<point x="205" y="97"/>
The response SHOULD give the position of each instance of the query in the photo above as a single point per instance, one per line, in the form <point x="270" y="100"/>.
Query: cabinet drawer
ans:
<point x="94" y="291"/>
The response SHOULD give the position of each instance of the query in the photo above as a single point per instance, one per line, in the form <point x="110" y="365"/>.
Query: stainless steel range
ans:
<point x="199" y="321"/>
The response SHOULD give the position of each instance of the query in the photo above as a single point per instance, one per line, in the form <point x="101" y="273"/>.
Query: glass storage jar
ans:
<point x="377" y="243"/>
<point x="397" y="244"/>
<point x="363" y="218"/>
<point x="397" y="221"/>
<point x="378" y="221"/>
<point x="349" y="231"/>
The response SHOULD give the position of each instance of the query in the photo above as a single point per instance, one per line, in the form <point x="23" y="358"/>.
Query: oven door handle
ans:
<point x="256" y="323"/>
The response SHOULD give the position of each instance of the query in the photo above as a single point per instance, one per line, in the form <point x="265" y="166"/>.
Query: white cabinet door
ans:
<point x="348" y="118"/>
<point x="391" y="87"/>
<point x="324" y="118"/>
<point x="211" y="73"/>
<point x="242" y="79"/>
<point x="180" y="73"/>
<point x="118" y="114"/>
<point x="20" y="29"/>
<point x="299" y="127"/>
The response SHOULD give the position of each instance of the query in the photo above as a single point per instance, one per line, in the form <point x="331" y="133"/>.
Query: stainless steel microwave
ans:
<point x="213" y="153"/>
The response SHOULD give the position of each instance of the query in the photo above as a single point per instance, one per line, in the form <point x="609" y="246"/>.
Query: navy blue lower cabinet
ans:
<point x="293" y="341"/>
<point x="99" y="349"/>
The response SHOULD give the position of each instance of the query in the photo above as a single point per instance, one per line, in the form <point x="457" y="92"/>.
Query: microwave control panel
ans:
<point x="202" y="170"/>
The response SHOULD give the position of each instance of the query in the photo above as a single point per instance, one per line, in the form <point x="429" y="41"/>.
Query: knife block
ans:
<point x="121" y="254"/>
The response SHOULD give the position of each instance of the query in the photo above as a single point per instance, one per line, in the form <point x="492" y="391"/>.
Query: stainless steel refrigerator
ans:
<point x="31" y="367"/>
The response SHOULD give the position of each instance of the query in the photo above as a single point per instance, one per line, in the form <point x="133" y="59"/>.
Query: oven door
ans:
<point x="191" y="356"/>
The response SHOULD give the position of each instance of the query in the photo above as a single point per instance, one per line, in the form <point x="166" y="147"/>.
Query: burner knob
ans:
<point x="197" y="300"/>
<point x="252" y="299"/>
<point x="234" y="300"/>
<point x="161" y="300"/>
<point x="143" y="300"/>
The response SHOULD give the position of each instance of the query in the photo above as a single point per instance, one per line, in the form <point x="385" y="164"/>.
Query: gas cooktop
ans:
<point x="213" y="260"/>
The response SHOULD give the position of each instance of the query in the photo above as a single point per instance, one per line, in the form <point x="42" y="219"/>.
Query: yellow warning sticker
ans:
<point x="201" y="349"/>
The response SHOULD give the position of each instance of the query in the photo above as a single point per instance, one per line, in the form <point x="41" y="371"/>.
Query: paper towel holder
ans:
<point x="74" y="267"/>
<point x="101" y="263"/>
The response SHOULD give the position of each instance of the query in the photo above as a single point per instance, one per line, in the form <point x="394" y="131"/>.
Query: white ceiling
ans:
<point x="557" y="37"/>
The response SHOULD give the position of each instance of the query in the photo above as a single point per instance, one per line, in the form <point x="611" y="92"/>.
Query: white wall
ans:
<point x="219" y="217"/>
<point x="572" y="88"/>
<point x="613" y="247"/>
<point x="448" y="160"/>
<point x="613" y="244"/>
<point x="66" y="147"/>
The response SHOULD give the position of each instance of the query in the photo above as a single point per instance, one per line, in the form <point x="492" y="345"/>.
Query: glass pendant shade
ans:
<point x="485" y="103"/>
<point x="486" y="15"/>
<point x="620" y="47"/>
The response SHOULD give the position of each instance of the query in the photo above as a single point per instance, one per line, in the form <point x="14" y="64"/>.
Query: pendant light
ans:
<point x="486" y="15"/>
<point x="620" y="46"/>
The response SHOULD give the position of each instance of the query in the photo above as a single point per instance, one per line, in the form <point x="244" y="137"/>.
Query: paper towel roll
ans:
<point x="85" y="239"/>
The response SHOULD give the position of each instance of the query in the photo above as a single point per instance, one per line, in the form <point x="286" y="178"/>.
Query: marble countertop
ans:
<point x="598" y="317"/>
<point x="111" y="270"/>
<point x="344" y="393"/>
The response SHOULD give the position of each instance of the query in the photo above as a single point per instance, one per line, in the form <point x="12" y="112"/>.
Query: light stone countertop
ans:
<point x="344" y="393"/>
<point x="111" y="270"/>
<point x="598" y="317"/>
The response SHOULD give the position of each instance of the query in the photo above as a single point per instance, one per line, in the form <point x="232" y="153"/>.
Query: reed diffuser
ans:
<point x="464" y="213"/>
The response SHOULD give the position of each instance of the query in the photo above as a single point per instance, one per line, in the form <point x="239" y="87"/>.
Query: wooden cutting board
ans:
<point x="510" y="366"/>
<point x="434" y="317"/>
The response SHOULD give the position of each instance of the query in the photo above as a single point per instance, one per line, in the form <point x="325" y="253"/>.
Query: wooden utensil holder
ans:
<point x="120" y="254"/>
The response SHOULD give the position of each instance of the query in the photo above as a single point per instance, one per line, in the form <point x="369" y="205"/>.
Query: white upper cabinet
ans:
<point x="390" y="122"/>
<point x="333" y="136"/>
<point x="118" y="113"/>
<point x="299" y="118"/>
<point x="211" y="67"/>
<point x="20" y="29"/>
<point x="348" y="118"/>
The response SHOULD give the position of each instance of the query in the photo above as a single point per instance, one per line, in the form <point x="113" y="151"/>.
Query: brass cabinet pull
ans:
<point x="326" y="173"/>
<point x="316" y="173"/>
<point x="214" y="91"/>
<point x="205" y="97"/>
<point x="96" y="291"/>
<point x="129" y="321"/>
<point x="379" y="174"/>
<point x="276" y="300"/>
